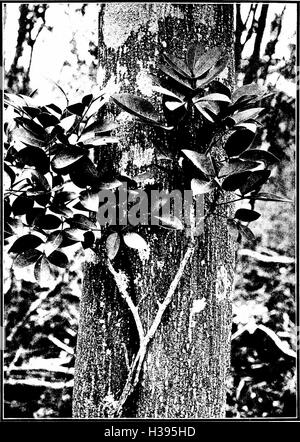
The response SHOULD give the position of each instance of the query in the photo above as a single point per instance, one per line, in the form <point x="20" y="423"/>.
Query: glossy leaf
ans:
<point x="90" y="200"/>
<point x="14" y="100"/>
<point x="170" y="222"/>
<point x="27" y="137"/>
<point x="22" y="205"/>
<point x="246" y="232"/>
<point x="220" y="88"/>
<point x="178" y="65"/>
<point x="47" y="119"/>
<point x="246" y="115"/>
<point x="94" y="107"/>
<point x="250" y="126"/>
<point x="25" y="242"/>
<point x="135" y="241"/>
<point x="56" y="148"/>
<point x="176" y="77"/>
<point x="81" y="222"/>
<point x="246" y="215"/>
<point x="38" y="180"/>
<point x="236" y="166"/>
<point x="59" y="259"/>
<point x="27" y="258"/>
<point x="213" y="72"/>
<point x="73" y="235"/>
<point x="247" y="89"/>
<point x="14" y="224"/>
<point x="201" y="161"/>
<point x="61" y="210"/>
<point x="206" y="61"/>
<point x="67" y="123"/>
<point x="48" y="222"/>
<point x="31" y="111"/>
<point x="31" y="127"/>
<point x="53" y="108"/>
<point x="214" y="97"/>
<point x="62" y="197"/>
<point x="137" y="106"/>
<point x="33" y="156"/>
<point x="41" y="186"/>
<point x="87" y="99"/>
<point x="42" y="271"/>
<point x="173" y="105"/>
<point x="202" y="110"/>
<point x="53" y="242"/>
<point x="200" y="187"/>
<point x="112" y="245"/>
<point x="7" y="208"/>
<point x="254" y="181"/>
<point x="260" y="155"/>
<point x="84" y="173"/>
<point x="243" y="103"/>
<point x="33" y="214"/>
<point x="194" y="52"/>
<point x="76" y="109"/>
<point x="69" y="155"/>
<point x="99" y="128"/>
<point x="264" y="196"/>
<point x="99" y="141"/>
<point x="211" y="106"/>
<point x="239" y="141"/>
<point x="233" y="182"/>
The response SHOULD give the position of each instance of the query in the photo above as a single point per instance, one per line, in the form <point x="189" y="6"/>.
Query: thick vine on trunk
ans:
<point x="185" y="369"/>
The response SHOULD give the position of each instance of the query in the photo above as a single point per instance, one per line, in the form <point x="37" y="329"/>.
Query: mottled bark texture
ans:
<point x="186" y="367"/>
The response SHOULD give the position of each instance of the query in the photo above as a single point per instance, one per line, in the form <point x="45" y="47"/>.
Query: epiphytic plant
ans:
<point x="52" y="183"/>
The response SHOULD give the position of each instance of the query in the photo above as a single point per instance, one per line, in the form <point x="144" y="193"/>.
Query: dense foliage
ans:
<point x="48" y="148"/>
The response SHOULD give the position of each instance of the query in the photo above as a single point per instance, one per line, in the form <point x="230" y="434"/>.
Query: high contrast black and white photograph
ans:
<point x="149" y="216"/>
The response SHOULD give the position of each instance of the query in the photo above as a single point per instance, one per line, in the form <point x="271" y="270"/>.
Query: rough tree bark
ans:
<point x="186" y="366"/>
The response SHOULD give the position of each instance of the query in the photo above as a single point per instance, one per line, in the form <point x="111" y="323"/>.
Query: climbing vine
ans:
<point x="52" y="185"/>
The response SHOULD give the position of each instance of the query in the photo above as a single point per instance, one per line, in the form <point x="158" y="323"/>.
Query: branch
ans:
<point x="238" y="34"/>
<point x="40" y="383"/>
<point x="163" y="306"/>
<point x="121" y="284"/>
<point x="276" y="259"/>
<point x="255" y="57"/>
<point x="253" y="9"/>
<point x="136" y="367"/>
<point x="27" y="369"/>
<point x="61" y="344"/>
<point x="251" y="328"/>
<point x="12" y="73"/>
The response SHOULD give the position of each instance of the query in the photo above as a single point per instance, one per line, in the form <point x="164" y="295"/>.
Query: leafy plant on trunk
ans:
<point x="53" y="186"/>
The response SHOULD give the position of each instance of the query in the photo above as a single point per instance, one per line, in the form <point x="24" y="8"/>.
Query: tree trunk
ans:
<point x="185" y="369"/>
